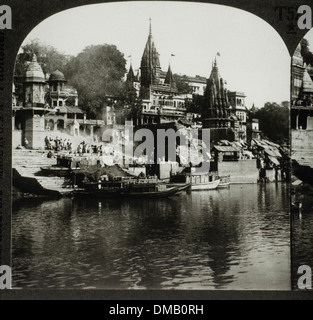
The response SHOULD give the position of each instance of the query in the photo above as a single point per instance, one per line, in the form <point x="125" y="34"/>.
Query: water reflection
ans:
<point x="302" y="237"/>
<point x="236" y="238"/>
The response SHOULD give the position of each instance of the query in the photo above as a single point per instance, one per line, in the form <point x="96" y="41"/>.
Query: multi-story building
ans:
<point x="47" y="105"/>
<point x="237" y="102"/>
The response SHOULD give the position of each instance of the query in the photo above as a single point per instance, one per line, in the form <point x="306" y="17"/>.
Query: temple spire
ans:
<point x="150" y="27"/>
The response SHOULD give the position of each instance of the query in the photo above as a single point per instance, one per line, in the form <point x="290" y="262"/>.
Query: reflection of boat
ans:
<point x="224" y="183"/>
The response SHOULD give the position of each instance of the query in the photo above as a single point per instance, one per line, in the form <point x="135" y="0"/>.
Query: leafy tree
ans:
<point x="274" y="121"/>
<point x="196" y="104"/>
<point x="128" y="105"/>
<point x="182" y="84"/>
<point x="97" y="74"/>
<point x="48" y="57"/>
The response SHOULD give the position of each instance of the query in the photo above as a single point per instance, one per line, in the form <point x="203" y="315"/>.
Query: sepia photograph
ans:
<point x="151" y="150"/>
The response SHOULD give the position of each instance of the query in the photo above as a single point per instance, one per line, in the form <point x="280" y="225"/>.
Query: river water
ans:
<point x="236" y="238"/>
<point x="302" y="236"/>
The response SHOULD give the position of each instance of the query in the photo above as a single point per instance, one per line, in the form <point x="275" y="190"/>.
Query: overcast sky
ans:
<point x="253" y="58"/>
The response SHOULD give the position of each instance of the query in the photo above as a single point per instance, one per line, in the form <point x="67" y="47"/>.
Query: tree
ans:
<point x="274" y="121"/>
<point x="128" y="105"/>
<point x="196" y="104"/>
<point x="182" y="84"/>
<point x="97" y="74"/>
<point x="48" y="57"/>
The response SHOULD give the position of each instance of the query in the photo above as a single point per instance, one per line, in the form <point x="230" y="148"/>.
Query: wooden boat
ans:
<point x="143" y="190"/>
<point x="209" y="185"/>
<point x="180" y="186"/>
<point x="102" y="189"/>
<point x="56" y="170"/>
<point x="224" y="183"/>
<point x="126" y="188"/>
<point x="198" y="181"/>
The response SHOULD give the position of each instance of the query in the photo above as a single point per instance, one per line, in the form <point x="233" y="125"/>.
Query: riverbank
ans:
<point x="29" y="181"/>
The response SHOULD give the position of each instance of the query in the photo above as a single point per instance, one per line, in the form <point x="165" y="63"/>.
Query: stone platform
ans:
<point x="26" y="174"/>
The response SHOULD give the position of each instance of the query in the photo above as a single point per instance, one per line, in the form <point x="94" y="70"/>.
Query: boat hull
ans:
<point x="55" y="171"/>
<point x="205" y="186"/>
<point x="164" y="193"/>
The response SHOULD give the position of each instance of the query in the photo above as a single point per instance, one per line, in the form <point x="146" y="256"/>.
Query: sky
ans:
<point x="252" y="56"/>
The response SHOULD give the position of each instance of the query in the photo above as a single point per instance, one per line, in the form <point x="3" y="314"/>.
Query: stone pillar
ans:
<point x="91" y="131"/>
<point x="297" y="121"/>
<point x="65" y="121"/>
<point x="13" y="120"/>
<point x="55" y="123"/>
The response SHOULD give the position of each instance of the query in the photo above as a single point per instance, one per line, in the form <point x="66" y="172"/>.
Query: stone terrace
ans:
<point x="28" y="162"/>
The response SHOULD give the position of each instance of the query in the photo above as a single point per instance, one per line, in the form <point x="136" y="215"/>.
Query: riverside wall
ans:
<point x="242" y="171"/>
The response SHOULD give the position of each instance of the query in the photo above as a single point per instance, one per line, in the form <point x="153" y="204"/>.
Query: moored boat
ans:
<point x="149" y="190"/>
<point x="56" y="170"/>
<point x="126" y="187"/>
<point x="102" y="189"/>
<point x="224" y="182"/>
<point x="209" y="185"/>
<point x="198" y="181"/>
<point x="180" y="186"/>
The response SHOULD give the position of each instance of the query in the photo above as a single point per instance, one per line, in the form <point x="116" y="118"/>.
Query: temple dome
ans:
<point x="34" y="72"/>
<point x="57" y="76"/>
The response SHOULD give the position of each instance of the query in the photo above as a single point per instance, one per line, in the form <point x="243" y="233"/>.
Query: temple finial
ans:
<point x="150" y="28"/>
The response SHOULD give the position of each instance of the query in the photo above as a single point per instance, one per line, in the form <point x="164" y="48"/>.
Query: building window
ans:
<point x="60" y="103"/>
<point x="55" y="103"/>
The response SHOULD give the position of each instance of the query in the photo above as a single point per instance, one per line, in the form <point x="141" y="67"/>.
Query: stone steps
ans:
<point x="28" y="162"/>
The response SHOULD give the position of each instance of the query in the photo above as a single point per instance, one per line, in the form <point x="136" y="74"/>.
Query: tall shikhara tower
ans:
<point x="216" y="96"/>
<point x="150" y="66"/>
<point x="217" y="114"/>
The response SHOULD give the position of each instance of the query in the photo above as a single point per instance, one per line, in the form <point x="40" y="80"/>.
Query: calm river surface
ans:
<point x="236" y="238"/>
<point x="302" y="236"/>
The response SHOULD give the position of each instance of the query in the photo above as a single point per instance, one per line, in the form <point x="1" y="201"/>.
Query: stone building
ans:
<point x="237" y="103"/>
<point x="302" y="105"/>
<point x="161" y="101"/>
<point x="47" y="105"/>
<point x="29" y="118"/>
<point x="301" y="93"/>
<point x="220" y="116"/>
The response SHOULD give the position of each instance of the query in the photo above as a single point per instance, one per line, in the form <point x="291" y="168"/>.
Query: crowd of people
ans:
<point x="58" y="144"/>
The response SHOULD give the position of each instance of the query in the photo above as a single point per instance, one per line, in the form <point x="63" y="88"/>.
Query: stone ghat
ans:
<point x="304" y="157"/>
<point x="26" y="174"/>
